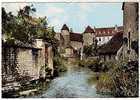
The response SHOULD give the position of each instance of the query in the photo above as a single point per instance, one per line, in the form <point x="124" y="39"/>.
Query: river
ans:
<point x="72" y="84"/>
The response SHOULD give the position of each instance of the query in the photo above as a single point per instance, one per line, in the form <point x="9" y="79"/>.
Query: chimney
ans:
<point x="38" y="43"/>
<point x="94" y="28"/>
<point x="116" y="28"/>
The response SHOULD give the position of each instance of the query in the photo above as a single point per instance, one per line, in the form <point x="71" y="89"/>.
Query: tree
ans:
<point x="26" y="28"/>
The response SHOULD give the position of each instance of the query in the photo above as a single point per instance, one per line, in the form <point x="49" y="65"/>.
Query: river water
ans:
<point x="72" y="84"/>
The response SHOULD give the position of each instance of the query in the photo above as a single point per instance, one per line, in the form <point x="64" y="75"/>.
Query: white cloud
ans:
<point x="55" y="10"/>
<point x="57" y="22"/>
<point x="50" y="12"/>
<point x="13" y="7"/>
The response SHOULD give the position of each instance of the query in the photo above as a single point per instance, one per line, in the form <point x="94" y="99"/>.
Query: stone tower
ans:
<point x="66" y="35"/>
<point x="88" y="36"/>
<point x="130" y="23"/>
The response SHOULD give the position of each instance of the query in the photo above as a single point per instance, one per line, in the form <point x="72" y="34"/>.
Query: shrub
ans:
<point x="105" y="83"/>
<point x="93" y="64"/>
<point x="121" y="79"/>
<point x="126" y="78"/>
<point x="59" y="65"/>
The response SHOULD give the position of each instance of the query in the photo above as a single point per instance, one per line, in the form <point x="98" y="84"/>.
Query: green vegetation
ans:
<point x="121" y="79"/>
<point x="90" y="50"/>
<point x="105" y="83"/>
<point x="125" y="78"/>
<point x="24" y="27"/>
<point x="88" y="62"/>
<point x="59" y="65"/>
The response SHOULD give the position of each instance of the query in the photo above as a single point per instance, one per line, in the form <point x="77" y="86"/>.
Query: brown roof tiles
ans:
<point x="109" y="31"/>
<point x="76" y="37"/>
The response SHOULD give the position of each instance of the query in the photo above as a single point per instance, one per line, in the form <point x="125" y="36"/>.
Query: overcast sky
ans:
<point x="76" y="15"/>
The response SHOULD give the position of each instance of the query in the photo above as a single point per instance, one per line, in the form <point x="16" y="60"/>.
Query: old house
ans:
<point x="103" y="35"/>
<point x="108" y="51"/>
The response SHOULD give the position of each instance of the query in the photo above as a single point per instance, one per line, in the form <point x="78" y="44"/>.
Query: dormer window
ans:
<point x="108" y="32"/>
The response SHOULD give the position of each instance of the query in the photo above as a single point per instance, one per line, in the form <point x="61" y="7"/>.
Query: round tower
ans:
<point x="66" y="34"/>
<point x="88" y="36"/>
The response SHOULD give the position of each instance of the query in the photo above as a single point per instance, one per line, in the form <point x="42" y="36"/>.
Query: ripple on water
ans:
<point x="70" y="85"/>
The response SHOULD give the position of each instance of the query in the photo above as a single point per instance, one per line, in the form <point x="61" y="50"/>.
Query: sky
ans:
<point x="76" y="15"/>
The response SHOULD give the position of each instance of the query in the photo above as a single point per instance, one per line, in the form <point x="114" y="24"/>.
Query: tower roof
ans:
<point x="65" y="27"/>
<point x="89" y="30"/>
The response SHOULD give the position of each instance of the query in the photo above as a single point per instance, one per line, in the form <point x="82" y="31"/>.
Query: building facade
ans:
<point x="103" y="35"/>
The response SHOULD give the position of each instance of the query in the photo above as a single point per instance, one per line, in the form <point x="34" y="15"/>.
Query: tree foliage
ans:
<point x="24" y="27"/>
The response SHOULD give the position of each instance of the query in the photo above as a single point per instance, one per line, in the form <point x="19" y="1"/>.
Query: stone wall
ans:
<point x="27" y="63"/>
<point x="41" y="56"/>
<point x="50" y="59"/>
<point x="88" y="38"/>
<point x="130" y="22"/>
<point x="76" y="45"/>
<point x="20" y="62"/>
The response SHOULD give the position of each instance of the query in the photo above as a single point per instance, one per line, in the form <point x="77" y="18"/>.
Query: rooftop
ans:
<point x="76" y="37"/>
<point x="107" y="31"/>
<point x="89" y="30"/>
<point x="65" y="27"/>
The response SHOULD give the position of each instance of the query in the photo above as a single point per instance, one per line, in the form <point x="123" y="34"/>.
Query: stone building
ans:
<point x="131" y="31"/>
<point x="103" y="35"/>
<point x="25" y="62"/>
<point x="69" y="42"/>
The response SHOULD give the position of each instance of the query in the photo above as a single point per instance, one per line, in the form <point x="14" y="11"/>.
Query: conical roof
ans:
<point x="89" y="30"/>
<point x="65" y="27"/>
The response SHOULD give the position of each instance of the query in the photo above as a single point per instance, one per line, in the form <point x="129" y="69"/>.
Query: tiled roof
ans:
<point x="76" y="37"/>
<point x="89" y="30"/>
<point x="113" y="45"/>
<point x="65" y="27"/>
<point x="109" y="31"/>
<point x="19" y="44"/>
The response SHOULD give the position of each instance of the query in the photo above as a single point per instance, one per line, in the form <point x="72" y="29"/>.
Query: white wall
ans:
<point x="103" y="39"/>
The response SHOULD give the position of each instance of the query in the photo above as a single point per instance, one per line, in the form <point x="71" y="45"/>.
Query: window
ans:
<point x="34" y="54"/>
<point x="99" y="39"/>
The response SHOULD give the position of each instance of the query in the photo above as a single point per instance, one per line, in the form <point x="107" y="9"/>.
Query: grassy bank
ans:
<point x="121" y="80"/>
